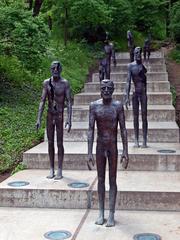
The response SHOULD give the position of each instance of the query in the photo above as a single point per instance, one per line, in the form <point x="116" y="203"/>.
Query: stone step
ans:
<point x="154" y="98"/>
<point x="152" y="61"/>
<point x="136" y="190"/>
<point x="140" y="159"/>
<point x="80" y="223"/>
<point x="157" y="132"/>
<point x="155" y="113"/>
<point x="154" y="55"/>
<point x="152" y="86"/>
<point x="151" y="76"/>
<point x="150" y="68"/>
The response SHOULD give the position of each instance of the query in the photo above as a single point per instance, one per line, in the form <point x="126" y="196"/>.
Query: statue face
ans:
<point x="107" y="89"/>
<point x="56" y="69"/>
<point x="137" y="53"/>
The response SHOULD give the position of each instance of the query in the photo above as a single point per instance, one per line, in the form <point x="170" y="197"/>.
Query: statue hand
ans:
<point x="127" y="102"/>
<point x="90" y="161"/>
<point x="124" y="160"/>
<point x="68" y="123"/>
<point x="38" y="125"/>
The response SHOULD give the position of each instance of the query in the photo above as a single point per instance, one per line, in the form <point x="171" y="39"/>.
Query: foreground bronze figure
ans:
<point x="105" y="63"/>
<point x="136" y="72"/>
<point x="131" y="46"/>
<point x="107" y="113"/>
<point x="56" y="90"/>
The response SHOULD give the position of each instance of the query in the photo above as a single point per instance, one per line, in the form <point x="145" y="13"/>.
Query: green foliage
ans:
<point x="175" y="54"/>
<point x="23" y="35"/>
<point x="19" y="167"/>
<point x="121" y="13"/>
<point x="175" y="21"/>
<point x="88" y="15"/>
<point x="149" y="15"/>
<point x="11" y="69"/>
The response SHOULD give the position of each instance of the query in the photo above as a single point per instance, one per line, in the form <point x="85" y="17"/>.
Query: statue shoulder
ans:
<point x="65" y="81"/>
<point x="95" y="104"/>
<point x="46" y="82"/>
<point x="118" y="104"/>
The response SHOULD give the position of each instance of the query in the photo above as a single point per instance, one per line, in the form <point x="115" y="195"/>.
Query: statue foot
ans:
<point x="58" y="175"/>
<point x="100" y="220"/>
<point x="110" y="221"/>
<point x="144" y="146"/>
<point x="51" y="175"/>
<point x="136" y="145"/>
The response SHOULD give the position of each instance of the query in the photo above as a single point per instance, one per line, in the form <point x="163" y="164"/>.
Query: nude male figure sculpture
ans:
<point x="107" y="113"/>
<point x="105" y="63"/>
<point x="136" y="72"/>
<point x="57" y="91"/>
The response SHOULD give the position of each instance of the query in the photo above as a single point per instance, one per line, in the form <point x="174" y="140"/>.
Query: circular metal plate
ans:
<point x="166" y="151"/>
<point x="57" y="235"/>
<point x="147" y="236"/>
<point x="18" y="184"/>
<point x="78" y="185"/>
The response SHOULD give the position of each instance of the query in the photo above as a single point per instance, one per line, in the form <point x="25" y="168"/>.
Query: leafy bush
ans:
<point x="175" y="21"/>
<point x="23" y="35"/>
<point x="149" y="15"/>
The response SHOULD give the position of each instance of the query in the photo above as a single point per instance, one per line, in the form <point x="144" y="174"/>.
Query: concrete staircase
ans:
<point x="150" y="183"/>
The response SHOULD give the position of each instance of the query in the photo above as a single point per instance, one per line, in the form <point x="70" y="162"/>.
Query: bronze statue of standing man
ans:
<point x="107" y="113"/>
<point x="105" y="63"/>
<point x="137" y="72"/>
<point x="57" y="91"/>
<point x="131" y="46"/>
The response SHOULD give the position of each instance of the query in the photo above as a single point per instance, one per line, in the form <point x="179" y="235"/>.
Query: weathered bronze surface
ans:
<point x="147" y="48"/>
<point x="105" y="63"/>
<point x="107" y="114"/>
<point x="131" y="45"/>
<point x="57" y="91"/>
<point x="136" y="72"/>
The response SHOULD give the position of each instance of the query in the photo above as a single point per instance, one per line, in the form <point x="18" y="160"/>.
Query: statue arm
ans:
<point x="69" y="106"/>
<point x="144" y="69"/>
<point x="91" y="136"/>
<point x="41" y="105"/>
<point x="113" y="55"/>
<point x="128" y="87"/>
<point x="124" y="156"/>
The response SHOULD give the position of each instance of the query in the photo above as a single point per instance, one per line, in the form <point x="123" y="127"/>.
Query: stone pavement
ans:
<point x="148" y="198"/>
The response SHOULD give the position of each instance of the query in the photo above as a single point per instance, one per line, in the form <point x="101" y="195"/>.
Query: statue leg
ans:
<point x="50" y="135"/>
<point x="135" y="104"/>
<point x="108" y="71"/>
<point x="112" y="158"/>
<point x="60" y="153"/>
<point x="144" y="119"/>
<point x="149" y="54"/>
<point x="132" y="54"/>
<point x="101" y="166"/>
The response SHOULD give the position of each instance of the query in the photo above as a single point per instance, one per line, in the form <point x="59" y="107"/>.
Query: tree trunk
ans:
<point x="37" y="7"/>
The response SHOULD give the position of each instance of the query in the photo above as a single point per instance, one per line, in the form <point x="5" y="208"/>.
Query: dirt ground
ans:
<point x="4" y="176"/>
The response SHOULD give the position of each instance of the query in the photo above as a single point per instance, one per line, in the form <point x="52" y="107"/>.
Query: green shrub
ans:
<point x="175" y="21"/>
<point x="23" y="35"/>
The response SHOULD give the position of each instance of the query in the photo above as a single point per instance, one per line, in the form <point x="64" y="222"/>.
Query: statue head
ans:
<point x="107" y="89"/>
<point x="137" y="53"/>
<point x="56" y="69"/>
